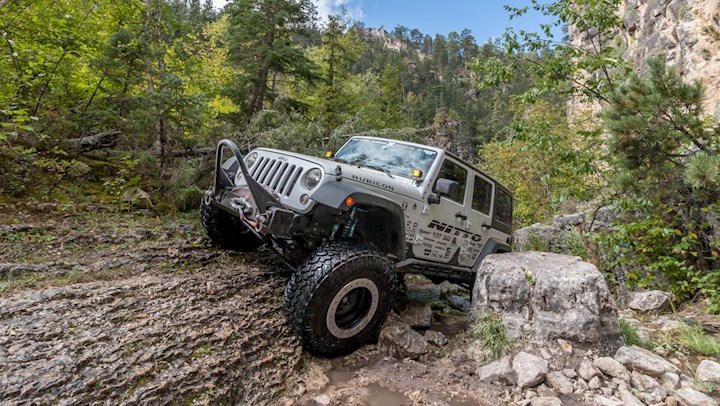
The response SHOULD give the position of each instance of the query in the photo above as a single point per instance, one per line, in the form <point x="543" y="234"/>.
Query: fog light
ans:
<point x="304" y="199"/>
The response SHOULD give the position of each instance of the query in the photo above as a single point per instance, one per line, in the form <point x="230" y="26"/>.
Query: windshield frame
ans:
<point x="424" y="159"/>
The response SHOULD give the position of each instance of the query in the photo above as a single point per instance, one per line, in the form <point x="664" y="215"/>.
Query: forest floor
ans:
<point x="102" y="306"/>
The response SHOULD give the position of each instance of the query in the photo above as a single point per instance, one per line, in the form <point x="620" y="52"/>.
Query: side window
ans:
<point x="453" y="171"/>
<point x="482" y="195"/>
<point x="503" y="207"/>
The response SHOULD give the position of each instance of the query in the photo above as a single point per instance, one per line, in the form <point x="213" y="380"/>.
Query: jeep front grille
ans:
<point x="278" y="175"/>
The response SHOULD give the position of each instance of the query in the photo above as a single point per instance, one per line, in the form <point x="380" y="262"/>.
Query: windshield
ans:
<point x="387" y="156"/>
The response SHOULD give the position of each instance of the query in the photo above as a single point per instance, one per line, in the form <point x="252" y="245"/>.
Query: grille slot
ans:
<point x="288" y="174"/>
<point x="295" y="177"/>
<point x="278" y="175"/>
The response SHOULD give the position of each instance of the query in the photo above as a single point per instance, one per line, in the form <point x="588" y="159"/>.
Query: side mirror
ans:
<point x="443" y="187"/>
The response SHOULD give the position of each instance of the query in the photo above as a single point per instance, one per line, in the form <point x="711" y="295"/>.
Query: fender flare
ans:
<point x="335" y="194"/>
<point x="491" y="247"/>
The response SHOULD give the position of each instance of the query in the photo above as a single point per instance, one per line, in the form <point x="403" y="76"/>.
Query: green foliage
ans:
<point x="543" y="162"/>
<point x="657" y="122"/>
<point x="668" y="154"/>
<point x="696" y="341"/>
<point x="491" y="330"/>
<point x="561" y="68"/>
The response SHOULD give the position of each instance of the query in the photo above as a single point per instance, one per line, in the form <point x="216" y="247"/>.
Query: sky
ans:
<point x="486" y="19"/>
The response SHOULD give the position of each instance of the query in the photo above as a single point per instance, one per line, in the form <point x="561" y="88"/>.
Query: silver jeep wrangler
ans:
<point x="350" y="224"/>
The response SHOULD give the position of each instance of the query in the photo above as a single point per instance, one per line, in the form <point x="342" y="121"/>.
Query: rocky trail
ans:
<point x="168" y="320"/>
<point x="101" y="307"/>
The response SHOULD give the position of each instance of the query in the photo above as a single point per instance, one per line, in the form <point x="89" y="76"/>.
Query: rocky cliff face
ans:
<point x="687" y="32"/>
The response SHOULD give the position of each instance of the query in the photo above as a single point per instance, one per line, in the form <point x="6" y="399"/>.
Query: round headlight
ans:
<point x="250" y="159"/>
<point x="312" y="178"/>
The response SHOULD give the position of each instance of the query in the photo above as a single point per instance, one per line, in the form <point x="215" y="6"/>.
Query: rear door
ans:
<point x="479" y="219"/>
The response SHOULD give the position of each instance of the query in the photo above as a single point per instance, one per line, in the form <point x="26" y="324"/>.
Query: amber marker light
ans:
<point x="417" y="173"/>
<point x="349" y="201"/>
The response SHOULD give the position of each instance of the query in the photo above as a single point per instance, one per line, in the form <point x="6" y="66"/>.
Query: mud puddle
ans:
<point x="377" y="395"/>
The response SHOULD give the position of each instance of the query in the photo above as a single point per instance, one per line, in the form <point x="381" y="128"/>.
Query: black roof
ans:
<point x="498" y="184"/>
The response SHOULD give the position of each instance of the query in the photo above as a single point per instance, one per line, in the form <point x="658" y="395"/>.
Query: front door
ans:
<point x="441" y="233"/>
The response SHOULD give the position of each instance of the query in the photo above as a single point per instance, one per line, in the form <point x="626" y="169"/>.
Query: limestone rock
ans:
<point x="691" y="397"/>
<point x="498" y="371"/>
<point x="417" y="315"/>
<point x="587" y="371"/>
<point x="546" y="401"/>
<point x="595" y="383"/>
<point x="555" y="296"/>
<point x="398" y="340"/>
<point x="436" y="337"/>
<point x="629" y="399"/>
<point x="314" y="378"/>
<point x="612" y="368"/>
<point x="137" y="198"/>
<point x="529" y="369"/>
<point x="560" y="382"/>
<point x="669" y="381"/>
<point x="708" y="371"/>
<point x="644" y="361"/>
<point x="607" y="401"/>
<point x="652" y="302"/>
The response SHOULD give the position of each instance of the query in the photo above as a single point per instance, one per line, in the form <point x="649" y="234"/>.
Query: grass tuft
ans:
<point x="491" y="330"/>
<point x="695" y="340"/>
<point x="630" y="333"/>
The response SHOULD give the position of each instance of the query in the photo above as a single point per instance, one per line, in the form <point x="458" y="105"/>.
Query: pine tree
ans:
<point x="261" y="46"/>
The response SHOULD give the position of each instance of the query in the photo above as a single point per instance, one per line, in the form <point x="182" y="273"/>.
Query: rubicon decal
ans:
<point x="373" y="182"/>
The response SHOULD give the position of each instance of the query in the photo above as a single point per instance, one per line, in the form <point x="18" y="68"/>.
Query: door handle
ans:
<point x="485" y="226"/>
<point x="460" y="216"/>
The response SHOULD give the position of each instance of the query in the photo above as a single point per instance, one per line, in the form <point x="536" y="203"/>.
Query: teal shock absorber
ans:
<point x="351" y="222"/>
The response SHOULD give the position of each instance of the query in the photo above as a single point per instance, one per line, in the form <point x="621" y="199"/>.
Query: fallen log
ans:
<point x="184" y="153"/>
<point x="105" y="139"/>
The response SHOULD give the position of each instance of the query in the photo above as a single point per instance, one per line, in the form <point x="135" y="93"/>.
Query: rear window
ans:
<point x="503" y="207"/>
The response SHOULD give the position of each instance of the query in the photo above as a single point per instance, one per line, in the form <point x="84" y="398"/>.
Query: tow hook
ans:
<point x="242" y="205"/>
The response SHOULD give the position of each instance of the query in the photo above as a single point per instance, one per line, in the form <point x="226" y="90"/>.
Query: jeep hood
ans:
<point x="362" y="176"/>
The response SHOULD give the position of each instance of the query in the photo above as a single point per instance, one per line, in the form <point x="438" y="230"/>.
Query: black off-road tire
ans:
<point x="225" y="230"/>
<point x="337" y="271"/>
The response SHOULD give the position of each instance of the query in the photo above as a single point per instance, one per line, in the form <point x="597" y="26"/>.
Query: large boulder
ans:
<point x="550" y="296"/>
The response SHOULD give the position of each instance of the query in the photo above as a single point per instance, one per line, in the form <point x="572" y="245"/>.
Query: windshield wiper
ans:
<point x="378" y="168"/>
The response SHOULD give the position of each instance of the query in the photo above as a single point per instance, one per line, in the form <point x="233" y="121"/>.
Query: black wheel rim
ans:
<point x="353" y="307"/>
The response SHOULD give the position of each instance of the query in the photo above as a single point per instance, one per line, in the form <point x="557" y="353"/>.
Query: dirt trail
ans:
<point x="177" y="322"/>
